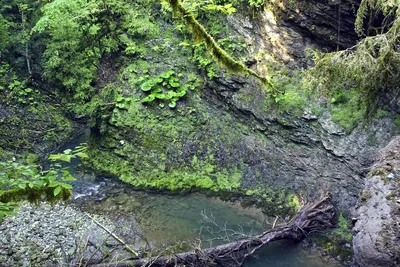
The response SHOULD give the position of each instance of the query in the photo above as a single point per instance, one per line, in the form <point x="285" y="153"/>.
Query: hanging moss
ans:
<point x="371" y="68"/>
<point x="220" y="55"/>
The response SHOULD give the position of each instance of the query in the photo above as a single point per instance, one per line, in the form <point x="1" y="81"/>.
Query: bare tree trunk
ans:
<point x="312" y="217"/>
<point x="23" y="21"/>
<point x="28" y="63"/>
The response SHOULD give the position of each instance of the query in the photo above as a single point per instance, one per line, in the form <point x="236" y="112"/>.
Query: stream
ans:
<point x="157" y="220"/>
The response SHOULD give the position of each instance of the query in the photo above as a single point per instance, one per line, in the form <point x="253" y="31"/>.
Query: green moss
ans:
<point x="334" y="247"/>
<point x="365" y="196"/>
<point x="200" y="176"/>
<point x="151" y="147"/>
<point x="380" y="113"/>
<point x="347" y="110"/>
<point x="343" y="230"/>
<point x="391" y="196"/>
<point x="293" y="101"/>
<point x="5" y="155"/>
<point x="336" y="242"/>
<point x="397" y="121"/>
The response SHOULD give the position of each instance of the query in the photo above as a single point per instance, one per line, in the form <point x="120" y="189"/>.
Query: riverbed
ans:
<point x="156" y="221"/>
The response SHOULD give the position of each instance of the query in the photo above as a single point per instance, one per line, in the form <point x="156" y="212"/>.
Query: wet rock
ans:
<point x="291" y="27"/>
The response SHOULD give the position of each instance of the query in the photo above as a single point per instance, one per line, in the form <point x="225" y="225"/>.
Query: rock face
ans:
<point x="289" y="30"/>
<point x="309" y="153"/>
<point x="37" y="129"/>
<point x="232" y="130"/>
<point x="377" y="230"/>
<point x="329" y="23"/>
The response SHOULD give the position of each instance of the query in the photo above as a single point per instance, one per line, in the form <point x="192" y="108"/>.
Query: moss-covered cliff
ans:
<point x="165" y="116"/>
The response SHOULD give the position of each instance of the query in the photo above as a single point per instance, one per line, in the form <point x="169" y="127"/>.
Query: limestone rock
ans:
<point x="377" y="229"/>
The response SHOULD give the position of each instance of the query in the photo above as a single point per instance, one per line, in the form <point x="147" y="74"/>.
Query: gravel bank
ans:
<point x="49" y="236"/>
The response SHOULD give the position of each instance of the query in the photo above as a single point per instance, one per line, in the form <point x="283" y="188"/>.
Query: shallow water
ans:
<point x="165" y="219"/>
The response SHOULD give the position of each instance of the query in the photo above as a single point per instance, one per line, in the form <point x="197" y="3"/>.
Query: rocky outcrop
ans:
<point x="306" y="153"/>
<point x="33" y="128"/>
<point x="328" y="23"/>
<point x="377" y="230"/>
<point x="234" y="130"/>
<point x="287" y="31"/>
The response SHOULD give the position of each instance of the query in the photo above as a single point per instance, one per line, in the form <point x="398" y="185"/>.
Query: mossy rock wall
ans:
<point x="32" y="129"/>
<point x="228" y="134"/>
<point x="195" y="147"/>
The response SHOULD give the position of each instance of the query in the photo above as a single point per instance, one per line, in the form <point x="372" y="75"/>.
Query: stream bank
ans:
<point x="55" y="235"/>
<point x="226" y="133"/>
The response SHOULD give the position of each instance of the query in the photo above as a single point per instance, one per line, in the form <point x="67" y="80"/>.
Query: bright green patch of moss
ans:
<point x="397" y="121"/>
<point x="151" y="147"/>
<point x="347" y="110"/>
<point x="343" y="230"/>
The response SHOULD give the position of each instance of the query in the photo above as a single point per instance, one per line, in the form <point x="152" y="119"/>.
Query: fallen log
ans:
<point x="312" y="217"/>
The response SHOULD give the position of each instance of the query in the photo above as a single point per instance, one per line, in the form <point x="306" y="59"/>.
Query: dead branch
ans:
<point x="312" y="217"/>
<point x="128" y="248"/>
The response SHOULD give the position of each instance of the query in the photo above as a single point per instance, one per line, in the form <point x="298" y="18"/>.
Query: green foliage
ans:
<point x="380" y="113"/>
<point x="15" y="90"/>
<point x="20" y="182"/>
<point x="256" y="3"/>
<point x="219" y="54"/>
<point x="200" y="7"/>
<point x="343" y="230"/>
<point x="22" y="93"/>
<point x="166" y="86"/>
<point x="99" y="109"/>
<point x="69" y="154"/>
<point x="371" y="67"/>
<point x="81" y="32"/>
<point x="294" y="100"/>
<point x="367" y="7"/>
<point x="397" y="121"/>
<point x="346" y="109"/>
<point x="4" y="34"/>
<point x="203" y="60"/>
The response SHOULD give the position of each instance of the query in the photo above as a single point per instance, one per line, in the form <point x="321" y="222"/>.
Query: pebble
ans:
<point x="38" y="235"/>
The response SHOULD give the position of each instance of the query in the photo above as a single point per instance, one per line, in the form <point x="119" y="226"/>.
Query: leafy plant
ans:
<point x="19" y="182"/>
<point x="79" y="33"/>
<point x="343" y="230"/>
<point x="256" y="3"/>
<point x="166" y="86"/>
<point x="23" y="94"/>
